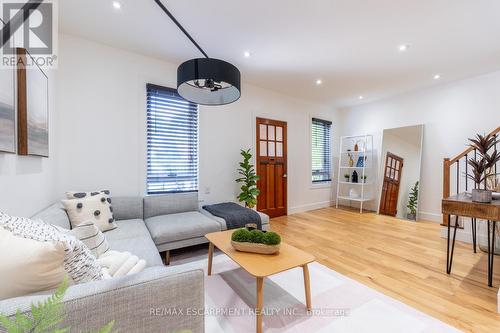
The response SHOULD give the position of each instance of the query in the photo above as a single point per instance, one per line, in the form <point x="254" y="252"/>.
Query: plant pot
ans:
<point x="347" y="180"/>
<point x="255" y="247"/>
<point x="482" y="196"/>
<point x="411" y="216"/>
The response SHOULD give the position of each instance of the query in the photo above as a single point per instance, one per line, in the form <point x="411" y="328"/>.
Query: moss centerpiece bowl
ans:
<point x="255" y="241"/>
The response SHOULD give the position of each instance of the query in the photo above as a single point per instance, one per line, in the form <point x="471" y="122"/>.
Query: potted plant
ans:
<point x="364" y="179"/>
<point x="483" y="166"/>
<point x="248" y="179"/>
<point x="255" y="241"/>
<point x="413" y="203"/>
<point x="347" y="177"/>
<point x="46" y="316"/>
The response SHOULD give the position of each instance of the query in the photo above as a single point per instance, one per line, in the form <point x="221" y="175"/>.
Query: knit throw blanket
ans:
<point x="116" y="264"/>
<point x="235" y="215"/>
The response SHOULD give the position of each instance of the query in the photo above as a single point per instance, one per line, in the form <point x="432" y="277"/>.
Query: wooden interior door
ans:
<point x="390" y="188"/>
<point x="271" y="167"/>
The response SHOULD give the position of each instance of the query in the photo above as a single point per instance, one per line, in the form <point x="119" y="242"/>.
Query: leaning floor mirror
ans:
<point x="400" y="173"/>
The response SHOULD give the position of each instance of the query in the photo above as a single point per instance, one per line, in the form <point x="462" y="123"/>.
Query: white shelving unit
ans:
<point x="362" y="164"/>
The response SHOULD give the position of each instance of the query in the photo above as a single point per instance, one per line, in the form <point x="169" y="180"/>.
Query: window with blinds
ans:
<point x="172" y="134"/>
<point x="321" y="139"/>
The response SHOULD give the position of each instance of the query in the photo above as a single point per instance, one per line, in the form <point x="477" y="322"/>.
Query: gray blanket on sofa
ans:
<point x="235" y="215"/>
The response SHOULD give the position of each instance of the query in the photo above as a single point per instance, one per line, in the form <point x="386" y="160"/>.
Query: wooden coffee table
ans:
<point x="262" y="265"/>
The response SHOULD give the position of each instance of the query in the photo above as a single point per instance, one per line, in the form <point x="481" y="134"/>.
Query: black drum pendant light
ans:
<point x="206" y="81"/>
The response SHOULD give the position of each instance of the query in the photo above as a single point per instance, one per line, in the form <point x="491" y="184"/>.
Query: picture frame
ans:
<point x="32" y="107"/>
<point x="7" y="110"/>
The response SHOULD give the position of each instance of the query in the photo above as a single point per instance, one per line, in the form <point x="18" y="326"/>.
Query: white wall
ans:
<point x="102" y="103"/>
<point x="27" y="183"/>
<point x="410" y="152"/>
<point x="451" y="113"/>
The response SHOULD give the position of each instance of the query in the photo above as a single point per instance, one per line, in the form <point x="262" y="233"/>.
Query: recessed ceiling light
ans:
<point x="117" y="5"/>
<point x="404" y="47"/>
<point x="437" y="76"/>
<point x="247" y="54"/>
<point x="319" y="82"/>
<point x="361" y="97"/>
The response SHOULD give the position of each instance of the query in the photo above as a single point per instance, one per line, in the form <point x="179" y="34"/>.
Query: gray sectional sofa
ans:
<point x="140" y="302"/>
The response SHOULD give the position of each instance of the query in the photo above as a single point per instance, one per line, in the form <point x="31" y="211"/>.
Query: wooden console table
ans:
<point x="462" y="205"/>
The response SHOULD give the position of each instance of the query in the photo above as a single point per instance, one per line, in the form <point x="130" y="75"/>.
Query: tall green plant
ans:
<point x="248" y="180"/>
<point x="413" y="199"/>
<point x="45" y="317"/>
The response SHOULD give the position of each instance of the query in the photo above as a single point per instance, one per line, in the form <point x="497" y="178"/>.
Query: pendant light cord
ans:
<point x="180" y="27"/>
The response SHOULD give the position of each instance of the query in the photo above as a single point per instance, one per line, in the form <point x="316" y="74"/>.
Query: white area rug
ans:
<point x="340" y="304"/>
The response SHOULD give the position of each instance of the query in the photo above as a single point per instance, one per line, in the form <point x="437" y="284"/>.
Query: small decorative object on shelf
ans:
<point x="353" y="193"/>
<point x="347" y="177"/>
<point x="356" y="148"/>
<point x="483" y="166"/>
<point x="354" y="177"/>
<point x="255" y="241"/>
<point x="364" y="179"/>
<point x="412" y="203"/>
<point x="361" y="161"/>
<point x="351" y="160"/>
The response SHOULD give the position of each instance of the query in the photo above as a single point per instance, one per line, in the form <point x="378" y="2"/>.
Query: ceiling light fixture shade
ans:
<point x="209" y="81"/>
<point x="206" y="81"/>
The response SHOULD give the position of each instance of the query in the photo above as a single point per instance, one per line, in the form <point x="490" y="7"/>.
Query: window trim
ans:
<point x="173" y="91"/>
<point x="317" y="184"/>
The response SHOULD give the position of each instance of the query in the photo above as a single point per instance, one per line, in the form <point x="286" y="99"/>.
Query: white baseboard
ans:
<point x="465" y="234"/>
<point x="308" y="207"/>
<point x="433" y="217"/>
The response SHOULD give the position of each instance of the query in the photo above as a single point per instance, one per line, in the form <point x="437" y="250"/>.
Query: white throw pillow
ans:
<point x="95" y="208"/>
<point x="30" y="266"/>
<point x="92" y="237"/>
<point x="40" y="256"/>
<point x="81" y="195"/>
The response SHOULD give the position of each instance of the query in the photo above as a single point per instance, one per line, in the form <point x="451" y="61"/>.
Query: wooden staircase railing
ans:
<point x="459" y="180"/>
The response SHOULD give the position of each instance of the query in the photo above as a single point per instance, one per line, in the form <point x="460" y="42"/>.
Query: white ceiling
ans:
<point x="352" y="45"/>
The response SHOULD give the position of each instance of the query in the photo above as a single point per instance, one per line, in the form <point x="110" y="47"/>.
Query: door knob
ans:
<point x="285" y="175"/>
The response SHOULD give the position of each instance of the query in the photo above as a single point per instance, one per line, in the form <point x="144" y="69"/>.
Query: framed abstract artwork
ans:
<point x="32" y="107"/>
<point x="7" y="112"/>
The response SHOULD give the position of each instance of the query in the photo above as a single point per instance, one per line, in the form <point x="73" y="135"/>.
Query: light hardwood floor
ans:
<point x="401" y="259"/>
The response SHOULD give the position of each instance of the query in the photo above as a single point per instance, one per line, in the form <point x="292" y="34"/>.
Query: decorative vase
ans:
<point x="351" y="161"/>
<point x="354" y="177"/>
<point x="356" y="148"/>
<point x="482" y="196"/>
